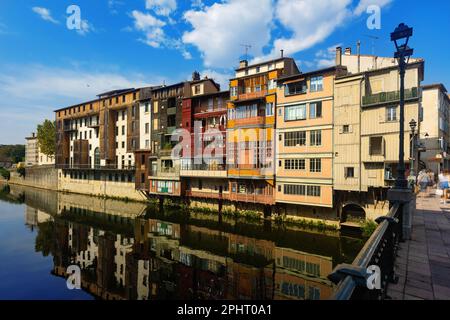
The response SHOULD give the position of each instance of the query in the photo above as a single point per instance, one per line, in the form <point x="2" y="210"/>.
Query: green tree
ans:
<point x="46" y="135"/>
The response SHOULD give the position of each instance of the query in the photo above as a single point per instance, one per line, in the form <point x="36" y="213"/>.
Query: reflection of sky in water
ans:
<point x="25" y="274"/>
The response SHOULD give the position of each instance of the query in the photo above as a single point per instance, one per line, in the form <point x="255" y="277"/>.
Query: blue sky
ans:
<point x="131" y="43"/>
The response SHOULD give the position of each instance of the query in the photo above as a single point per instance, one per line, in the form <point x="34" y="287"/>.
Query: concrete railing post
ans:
<point x="407" y="200"/>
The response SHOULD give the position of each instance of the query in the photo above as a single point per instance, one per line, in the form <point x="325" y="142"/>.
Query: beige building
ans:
<point x="31" y="151"/>
<point x="33" y="154"/>
<point x="435" y="136"/>
<point x="366" y="132"/>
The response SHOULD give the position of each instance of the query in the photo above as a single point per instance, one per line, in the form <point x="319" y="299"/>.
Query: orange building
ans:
<point x="304" y="167"/>
<point x="251" y="129"/>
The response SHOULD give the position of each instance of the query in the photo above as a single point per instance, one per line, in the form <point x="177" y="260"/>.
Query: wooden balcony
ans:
<point x="253" y="198"/>
<point x="389" y="97"/>
<point x="252" y="95"/>
<point x="207" y="195"/>
<point x="255" y="121"/>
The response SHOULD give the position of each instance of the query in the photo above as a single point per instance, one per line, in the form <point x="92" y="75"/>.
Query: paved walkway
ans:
<point x="423" y="263"/>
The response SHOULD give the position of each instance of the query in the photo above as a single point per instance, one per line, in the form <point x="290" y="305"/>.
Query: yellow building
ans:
<point x="304" y="169"/>
<point x="250" y="129"/>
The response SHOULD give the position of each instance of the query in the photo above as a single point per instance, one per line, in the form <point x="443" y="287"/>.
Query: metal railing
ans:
<point x="392" y="96"/>
<point x="94" y="167"/>
<point x="379" y="251"/>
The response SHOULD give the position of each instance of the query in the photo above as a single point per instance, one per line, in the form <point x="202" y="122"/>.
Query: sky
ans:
<point x="46" y="64"/>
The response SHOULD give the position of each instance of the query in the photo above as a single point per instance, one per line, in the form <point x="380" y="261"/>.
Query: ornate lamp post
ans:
<point x="402" y="34"/>
<point x="412" y="125"/>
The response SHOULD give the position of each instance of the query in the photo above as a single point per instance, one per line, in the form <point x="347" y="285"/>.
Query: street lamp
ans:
<point x="403" y="53"/>
<point x="412" y="125"/>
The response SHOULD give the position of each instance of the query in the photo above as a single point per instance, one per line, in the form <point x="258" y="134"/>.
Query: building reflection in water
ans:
<point x="127" y="251"/>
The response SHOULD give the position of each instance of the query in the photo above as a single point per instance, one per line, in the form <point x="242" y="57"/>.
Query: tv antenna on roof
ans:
<point x="247" y="48"/>
<point x="374" y="38"/>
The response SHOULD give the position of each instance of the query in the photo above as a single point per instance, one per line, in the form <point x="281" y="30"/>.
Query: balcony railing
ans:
<point x="207" y="194"/>
<point x="389" y="97"/>
<point x="253" y="198"/>
<point x="204" y="166"/>
<point x="379" y="250"/>
<point x="94" y="167"/>
<point x="252" y="95"/>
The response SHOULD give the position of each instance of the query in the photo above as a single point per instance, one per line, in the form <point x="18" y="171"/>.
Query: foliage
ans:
<point x="4" y="173"/>
<point x="368" y="227"/>
<point x="14" y="153"/>
<point x="21" y="171"/>
<point x="46" y="135"/>
<point x="46" y="238"/>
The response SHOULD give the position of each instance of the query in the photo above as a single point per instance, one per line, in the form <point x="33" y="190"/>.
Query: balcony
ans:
<point x="251" y="171"/>
<point x="252" y="95"/>
<point x="204" y="170"/>
<point x="207" y="110"/>
<point x="207" y="195"/>
<point x="253" y="198"/>
<point x="94" y="124"/>
<point x="69" y="128"/>
<point x="254" y="121"/>
<point x="389" y="97"/>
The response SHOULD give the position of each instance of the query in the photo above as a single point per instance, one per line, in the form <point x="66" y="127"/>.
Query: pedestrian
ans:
<point x="423" y="180"/>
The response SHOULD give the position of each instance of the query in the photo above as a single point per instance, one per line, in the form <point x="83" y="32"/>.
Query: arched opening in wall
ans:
<point x="97" y="158"/>
<point x="353" y="212"/>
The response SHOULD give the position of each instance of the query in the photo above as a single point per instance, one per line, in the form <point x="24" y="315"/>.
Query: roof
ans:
<point x="115" y="92"/>
<point x="264" y="62"/>
<point x="209" y="94"/>
<point x="439" y="86"/>
<point x="300" y="75"/>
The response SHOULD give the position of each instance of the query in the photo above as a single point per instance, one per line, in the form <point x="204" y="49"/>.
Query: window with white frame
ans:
<point x="297" y="112"/>
<point x="234" y="91"/>
<point x="315" y="110"/>
<point x="269" y="109"/>
<point x="391" y="114"/>
<point x="315" y="165"/>
<point x="316" y="84"/>
<point x="315" y="138"/>
<point x="294" y="164"/>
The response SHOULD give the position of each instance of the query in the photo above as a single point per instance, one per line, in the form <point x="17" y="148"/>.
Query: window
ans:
<point x="349" y="172"/>
<point x="346" y="129"/>
<point x="123" y="144"/>
<point x="316" y="84"/>
<point x="123" y="130"/>
<point x="123" y="99"/>
<point x="297" y="138"/>
<point x="171" y="120"/>
<point x="258" y="69"/>
<point x="272" y="84"/>
<point x="315" y="110"/>
<point x="315" y="165"/>
<point x="315" y="138"/>
<point x="295" y="164"/>
<point x="117" y="99"/>
<point x="146" y="107"/>
<point x="391" y="114"/>
<point x="147" y="126"/>
<point x="297" y="112"/>
<point x="147" y="144"/>
<point x="295" y="189"/>
<point x="123" y="115"/>
<point x="313" y="191"/>
<point x="376" y="146"/>
<point x="234" y="91"/>
<point x="243" y="112"/>
<point x="269" y="109"/>
<point x="197" y="89"/>
<point x="295" y="88"/>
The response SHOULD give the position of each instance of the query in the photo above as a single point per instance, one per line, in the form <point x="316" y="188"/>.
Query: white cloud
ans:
<point x="32" y="92"/>
<point x="45" y="14"/>
<point x="161" y="7"/>
<point x="154" y="34"/>
<point x="220" y="30"/>
<point x="85" y="28"/>
<point x="310" y="22"/>
<point x="363" y="4"/>
<point x="113" y="6"/>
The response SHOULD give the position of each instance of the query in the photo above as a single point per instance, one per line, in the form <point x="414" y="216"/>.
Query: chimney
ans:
<point x="195" y="76"/>
<point x="33" y="134"/>
<point x="282" y="53"/>
<point x="348" y="51"/>
<point x="338" y="56"/>
<point x="243" y="64"/>
<point x="358" y="49"/>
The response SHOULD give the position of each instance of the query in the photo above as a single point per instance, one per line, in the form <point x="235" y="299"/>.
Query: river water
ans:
<point x="127" y="250"/>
